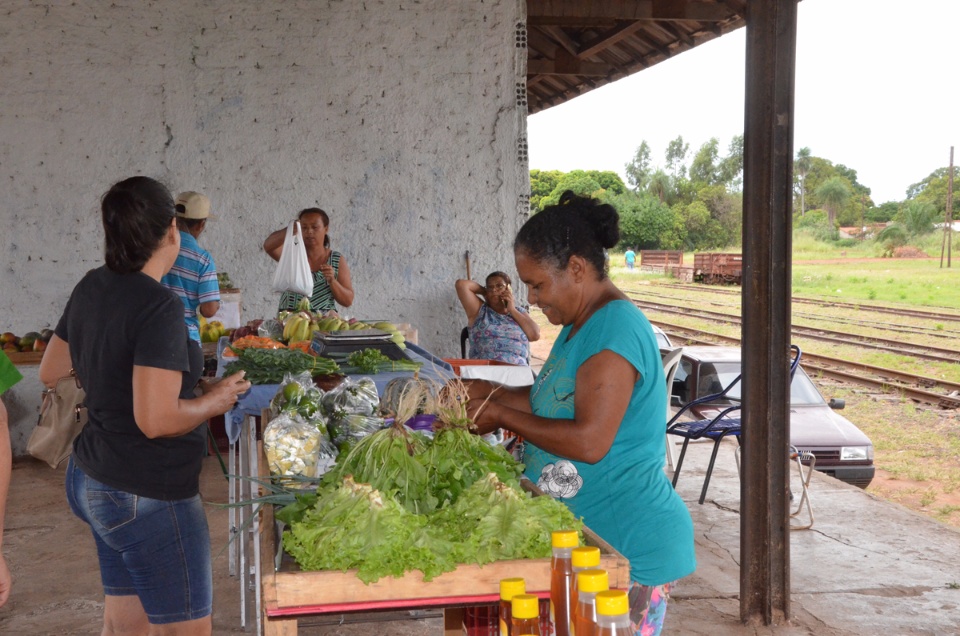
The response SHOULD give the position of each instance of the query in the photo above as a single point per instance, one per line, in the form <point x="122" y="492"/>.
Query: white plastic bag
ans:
<point x="293" y="268"/>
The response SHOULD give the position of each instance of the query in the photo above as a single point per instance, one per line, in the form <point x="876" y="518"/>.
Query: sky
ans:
<point x="876" y="91"/>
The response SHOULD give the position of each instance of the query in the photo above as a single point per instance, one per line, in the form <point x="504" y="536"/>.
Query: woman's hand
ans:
<point x="506" y="297"/>
<point x="227" y="390"/>
<point x="484" y="415"/>
<point x="327" y="270"/>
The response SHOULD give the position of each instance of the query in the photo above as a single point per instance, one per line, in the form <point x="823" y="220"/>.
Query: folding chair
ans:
<point x="799" y="457"/>
<point x="725" y="423"/>
<point x="671" y="360"/>
<point x="716" y="428"/>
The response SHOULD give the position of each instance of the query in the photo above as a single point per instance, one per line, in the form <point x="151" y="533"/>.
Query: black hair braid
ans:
<point x="576" y="225"/>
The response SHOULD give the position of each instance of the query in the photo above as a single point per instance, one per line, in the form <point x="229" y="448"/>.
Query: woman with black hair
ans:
<point x="134" y="475"/>
<point x="593" y="420"/>
<point x="498" y="329"/>
<point x="331" y="274"/>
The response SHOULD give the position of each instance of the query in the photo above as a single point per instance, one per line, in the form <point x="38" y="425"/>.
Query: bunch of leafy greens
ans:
<point x="457" y="458"/>
<point x="269" y="366"/>
<point x="373" y="361"/>
<point x="387" y="461"/>
<point x="353" y="526"/>
<point x="492" y="521"/>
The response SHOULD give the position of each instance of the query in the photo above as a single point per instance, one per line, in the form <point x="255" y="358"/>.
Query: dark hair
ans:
<point x="188" y="224"/>
<point x="502" y="275"/>
<point x="580" y="226"/>
<point x="136" y="214"/>
<point x="323" y="215"/>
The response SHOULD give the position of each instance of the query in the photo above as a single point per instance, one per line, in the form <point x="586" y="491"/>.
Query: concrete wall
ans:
<point x="404" y="119"/>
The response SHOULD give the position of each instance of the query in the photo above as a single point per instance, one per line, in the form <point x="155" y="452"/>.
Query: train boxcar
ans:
<point x="716" y="268"/>
<point x="658" y="260"/>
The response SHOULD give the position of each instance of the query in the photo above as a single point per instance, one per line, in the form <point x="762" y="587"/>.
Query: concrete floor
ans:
<point x="866" y="567"/>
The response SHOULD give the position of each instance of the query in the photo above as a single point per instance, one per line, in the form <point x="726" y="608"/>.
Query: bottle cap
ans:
<point x="593" y="581"/>
<point x="511" y="587"/>
<point x="612" y="603"/>
<point x="585" y="557"/>
<point x="525" y="606"/>
<point x="565" y="538"/>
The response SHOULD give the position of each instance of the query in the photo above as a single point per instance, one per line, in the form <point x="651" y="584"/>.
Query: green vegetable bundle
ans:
<point x="355" y="526"/>
<point x="387" y="460"/>
<point x="372" y="361"/>
<point x="268" y="366"/>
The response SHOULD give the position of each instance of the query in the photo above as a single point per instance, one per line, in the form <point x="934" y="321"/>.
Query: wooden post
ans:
<point x="948" y="217"/>
<point x="766" y="289"/>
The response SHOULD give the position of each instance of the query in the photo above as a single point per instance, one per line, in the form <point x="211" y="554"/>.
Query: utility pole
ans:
<point x="948" y="225"/>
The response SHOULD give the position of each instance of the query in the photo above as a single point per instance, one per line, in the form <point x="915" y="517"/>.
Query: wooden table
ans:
<point x="289" y="593"/>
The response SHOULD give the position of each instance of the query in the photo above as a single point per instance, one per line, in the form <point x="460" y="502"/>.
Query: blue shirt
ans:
<point x="496" y="336"/>
<point x="194" y="279"/>
<point x="626" y="497"/>
<point x="630" y="256"/>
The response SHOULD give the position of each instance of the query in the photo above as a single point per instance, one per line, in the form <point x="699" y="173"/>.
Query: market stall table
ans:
<point x="288" y="593"/>
<point x="240" y="423"/>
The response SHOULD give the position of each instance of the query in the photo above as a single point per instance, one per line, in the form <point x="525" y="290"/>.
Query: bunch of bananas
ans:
<point x="299" y="327"/>
<point x="395" y="336"/>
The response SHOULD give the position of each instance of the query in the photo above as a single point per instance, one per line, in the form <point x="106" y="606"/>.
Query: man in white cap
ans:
<point x="194" y="275"/>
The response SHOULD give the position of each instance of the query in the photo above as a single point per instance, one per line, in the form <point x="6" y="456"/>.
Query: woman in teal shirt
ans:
<point x="593" y="420"/>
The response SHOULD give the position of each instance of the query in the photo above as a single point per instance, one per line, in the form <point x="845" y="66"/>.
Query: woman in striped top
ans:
<point x="331" y="274"/>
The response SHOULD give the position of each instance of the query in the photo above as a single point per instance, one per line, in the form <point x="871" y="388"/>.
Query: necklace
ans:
<point x="541" y="378"/>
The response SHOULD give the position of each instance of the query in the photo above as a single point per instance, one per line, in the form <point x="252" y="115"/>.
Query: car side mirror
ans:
<point x="837" y="403"/>
<point x="675" y="400"/>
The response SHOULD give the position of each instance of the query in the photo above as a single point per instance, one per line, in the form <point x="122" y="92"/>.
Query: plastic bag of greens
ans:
<point x="355" y="396"/>
<point x="346" y="429"/>
<point x="297" y="394"/>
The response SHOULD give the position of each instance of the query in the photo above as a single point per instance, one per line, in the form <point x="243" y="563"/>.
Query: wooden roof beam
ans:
<point x="608" y="39"/>
<point x="561" y="12"/>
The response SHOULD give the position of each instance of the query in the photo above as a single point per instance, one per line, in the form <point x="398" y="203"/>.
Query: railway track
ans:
<point x="945" y="315"/>
<point x="908" y="385"/>
<point x="899" y="347"/>
<point x="937" y="331"/>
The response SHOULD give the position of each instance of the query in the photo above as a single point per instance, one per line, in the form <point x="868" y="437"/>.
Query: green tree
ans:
<point x="577" y="180"/>
<point x="726" y="209"/>
<point x="542" y="183"/>
<point x="917" y="217"/>
<point x="731" y="166"/>
<point x="703" y="168"/>
<point x="802" y="166"/>
<point x="883" y="213"/>
<point x="703" y="231"/>
<point x="661" y="186"/>
<point x="645" y="223"/>
<point x="933" y="190"/>
<point x="638" y="170"/>
<point x="676" y="156"/>
<point x="835" y="193"/>
<point x="608" y="180"/>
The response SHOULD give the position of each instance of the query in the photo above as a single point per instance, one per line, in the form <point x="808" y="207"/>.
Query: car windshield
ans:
<point x="714" y="377"/>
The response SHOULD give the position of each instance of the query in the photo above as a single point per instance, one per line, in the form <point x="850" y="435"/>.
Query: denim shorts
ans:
<point x="157" y="550"/>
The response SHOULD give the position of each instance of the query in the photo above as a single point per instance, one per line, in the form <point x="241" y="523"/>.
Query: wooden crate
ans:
<point x="290" y="592"/>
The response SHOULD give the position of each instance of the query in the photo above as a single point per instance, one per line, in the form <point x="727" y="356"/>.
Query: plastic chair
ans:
<point x="723" y="424"/>
<point x="671" y="360"/>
